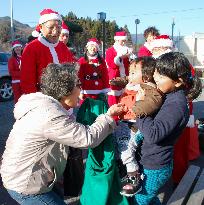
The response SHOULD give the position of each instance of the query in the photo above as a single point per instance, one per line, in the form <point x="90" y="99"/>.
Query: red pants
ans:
<point x="185" y="149"/>
<point x="16" y="91"/>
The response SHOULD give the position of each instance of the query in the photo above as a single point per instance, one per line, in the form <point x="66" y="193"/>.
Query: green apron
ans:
<point x="102" y="183"/>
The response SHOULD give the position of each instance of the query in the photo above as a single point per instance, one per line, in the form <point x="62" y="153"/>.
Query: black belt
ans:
<point x="91" y="77"/>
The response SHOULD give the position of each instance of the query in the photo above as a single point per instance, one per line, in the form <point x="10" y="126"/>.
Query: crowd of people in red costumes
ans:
<point x="108" y="76"/>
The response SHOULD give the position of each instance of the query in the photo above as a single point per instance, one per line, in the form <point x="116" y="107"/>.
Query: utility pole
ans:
<point x="102" y="17"/>
<point x="137" y="21"/>
<point x="12" y="29"/>
<point x="172" y="30"/>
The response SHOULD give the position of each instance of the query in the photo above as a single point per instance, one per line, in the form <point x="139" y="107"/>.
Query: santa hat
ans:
<point x="65" y="28"/>
<point x="162" y="41"/>
<point x="120" y="35"/>
<point x="49" y="14"/>
<point x="16" y="44"/>
<point x="93" y="41"/>
<point x="36" y="32"/>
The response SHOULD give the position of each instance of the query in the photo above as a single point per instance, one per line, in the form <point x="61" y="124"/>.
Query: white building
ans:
<point x="193" y="47"/>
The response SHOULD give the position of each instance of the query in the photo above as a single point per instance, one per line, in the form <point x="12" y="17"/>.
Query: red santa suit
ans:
<point x="93" y="76"/>
<point x="144" y="50"/>
<point x="117" y="67"/>
<point x="14" y="71"/>
<point x="36" y="56"/>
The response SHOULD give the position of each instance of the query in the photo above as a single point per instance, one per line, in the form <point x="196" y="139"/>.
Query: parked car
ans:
<point x="6" y="92"/>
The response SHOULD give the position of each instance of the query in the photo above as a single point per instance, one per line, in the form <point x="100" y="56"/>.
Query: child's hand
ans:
<point x="140" y="94"/>
<point x="117" y="109"/>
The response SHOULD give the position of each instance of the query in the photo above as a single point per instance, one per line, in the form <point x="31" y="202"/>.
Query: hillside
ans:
<point x="22" y="31"/>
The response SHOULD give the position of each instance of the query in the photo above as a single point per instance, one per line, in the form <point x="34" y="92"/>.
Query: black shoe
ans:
<point x="131" y="185"/>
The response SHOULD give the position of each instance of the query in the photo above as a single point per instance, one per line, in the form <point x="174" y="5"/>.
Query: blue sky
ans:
<point x="188" y="14"/>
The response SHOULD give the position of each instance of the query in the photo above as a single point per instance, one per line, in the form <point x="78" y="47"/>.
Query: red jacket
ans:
<point x="36" y="56"/>
<point x="13" y="67"/>
<point x="144" y="51"/>
<point x="116" y="68"/>
<point x="94" y="77"/>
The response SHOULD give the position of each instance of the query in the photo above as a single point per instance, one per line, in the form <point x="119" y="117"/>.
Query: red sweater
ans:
<point x="13" y="67"/>
<point x="36" y="56"/>
<point x="94" y="77"/>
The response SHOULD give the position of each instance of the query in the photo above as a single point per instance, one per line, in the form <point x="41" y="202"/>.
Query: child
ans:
<point x="173" y="77"/>
<point x="141" y="73"/>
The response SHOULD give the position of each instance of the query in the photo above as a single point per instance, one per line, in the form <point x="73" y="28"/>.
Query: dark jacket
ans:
<point x="162" y="130"/>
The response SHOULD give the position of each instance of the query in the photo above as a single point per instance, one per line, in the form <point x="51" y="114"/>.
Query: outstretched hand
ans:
<point x="117" y="109"/>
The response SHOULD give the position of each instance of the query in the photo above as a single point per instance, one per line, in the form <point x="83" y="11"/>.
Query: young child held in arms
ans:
<point x="141" y="73"/>
<point x="174" y="78"/>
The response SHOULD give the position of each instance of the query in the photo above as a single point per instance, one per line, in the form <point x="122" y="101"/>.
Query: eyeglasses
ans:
<point x="51" y="28"/>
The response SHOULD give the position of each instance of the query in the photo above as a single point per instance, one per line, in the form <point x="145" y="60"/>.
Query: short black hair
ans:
<point x="175" y="65"/>
<point x="148" y="67"/>
<point x="58" y="80"/>
<point x="151" y="30"/>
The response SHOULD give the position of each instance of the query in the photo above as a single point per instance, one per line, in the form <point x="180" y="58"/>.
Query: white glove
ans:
<point x="191" y="122"/>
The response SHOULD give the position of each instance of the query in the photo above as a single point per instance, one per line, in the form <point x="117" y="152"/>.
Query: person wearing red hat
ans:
<point x="93" y="72"/>
<point x="14" y="69"/>
<point x="117" y="59"/>
<point x="149" y="34"/>
<point x="64" y="36"/>
<point x="44" y="50"/>
<point x="160" y="45"/>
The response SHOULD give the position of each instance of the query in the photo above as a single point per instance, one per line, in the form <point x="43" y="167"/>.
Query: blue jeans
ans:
<point x="50" y="198"/>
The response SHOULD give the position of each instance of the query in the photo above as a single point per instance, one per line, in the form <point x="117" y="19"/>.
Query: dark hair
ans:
<point x="151" y="30"/>
<point x="148" y="67"/>
<point x="176" y="66"/>
<point x="14" y="54"/>
<point x="58" y="80"/>
<point x="87" y="58"/>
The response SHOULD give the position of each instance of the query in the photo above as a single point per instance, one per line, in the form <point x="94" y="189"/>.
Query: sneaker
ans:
<point x="131" y="185"/>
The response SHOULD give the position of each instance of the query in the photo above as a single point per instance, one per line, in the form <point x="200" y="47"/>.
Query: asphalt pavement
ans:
<point x="6" y="123"/>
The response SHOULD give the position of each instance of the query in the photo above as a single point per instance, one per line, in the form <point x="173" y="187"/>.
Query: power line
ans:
<point x="161" y="12"/>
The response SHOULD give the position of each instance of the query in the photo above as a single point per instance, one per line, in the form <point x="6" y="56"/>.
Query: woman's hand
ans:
<point x="117" y="109"/>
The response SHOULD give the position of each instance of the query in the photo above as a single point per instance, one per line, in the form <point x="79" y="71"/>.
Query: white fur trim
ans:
<point x="92" y="43"/>
<point x="35" y="33"/>
<point x="95" y="92"/>
<point x="147" y="45"/>
<point x="51" y="46"/>
<point x="191" y="122"/>
<point x="116" y="92"/>
<point x="117" y="60"/>
<point x="106" y="90"/>
<point x="15" y="81"/>
<point x="116" y="38"/>
<point x="161" y="43"/>
<point x="16" y="45"/>
<point x="65" y="31"/>
<point x="46" y="17"/>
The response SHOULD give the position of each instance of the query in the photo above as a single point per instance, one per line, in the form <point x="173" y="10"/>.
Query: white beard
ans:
<point x="159" y="54"/>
